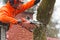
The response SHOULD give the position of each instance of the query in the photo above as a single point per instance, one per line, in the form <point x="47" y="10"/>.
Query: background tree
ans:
<point x="44" y="13"/>
<point x="52" y="31"/>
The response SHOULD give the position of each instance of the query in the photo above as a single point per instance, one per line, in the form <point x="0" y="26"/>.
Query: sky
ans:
<point x="56" y="13"/>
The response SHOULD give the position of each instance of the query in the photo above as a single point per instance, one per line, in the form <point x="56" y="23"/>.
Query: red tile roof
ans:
<point x="19" y="33"/>
<point x="49" y="38"/>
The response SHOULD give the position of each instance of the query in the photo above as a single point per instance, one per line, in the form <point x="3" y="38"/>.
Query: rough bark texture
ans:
<point x="44" y="13"/>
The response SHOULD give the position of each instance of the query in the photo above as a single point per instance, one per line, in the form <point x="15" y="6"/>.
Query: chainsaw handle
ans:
<point x="28" y="21"/>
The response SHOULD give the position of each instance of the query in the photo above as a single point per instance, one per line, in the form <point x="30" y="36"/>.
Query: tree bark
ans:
<point x="44" y="13"/>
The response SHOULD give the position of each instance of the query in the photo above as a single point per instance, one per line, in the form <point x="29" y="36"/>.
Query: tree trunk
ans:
<point x="44" y="13"/>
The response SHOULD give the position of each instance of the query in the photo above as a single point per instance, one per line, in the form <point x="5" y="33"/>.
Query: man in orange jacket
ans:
<point x="12" y="8"/>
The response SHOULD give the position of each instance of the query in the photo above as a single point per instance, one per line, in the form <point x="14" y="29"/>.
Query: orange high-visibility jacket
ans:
<point x="7" y="12"/>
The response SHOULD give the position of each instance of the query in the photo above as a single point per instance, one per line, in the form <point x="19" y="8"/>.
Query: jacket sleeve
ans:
<point x="30" y="4"/>
<point x="27" y="5"/>
<point x="7" y="19"/>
